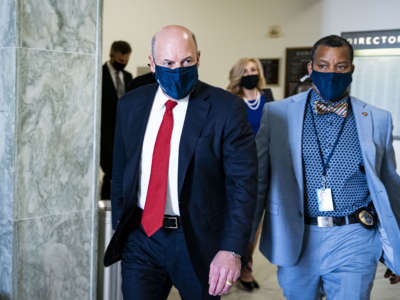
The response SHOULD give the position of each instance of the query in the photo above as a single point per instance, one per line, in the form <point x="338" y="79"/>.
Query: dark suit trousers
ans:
<point x="150" y="266"/>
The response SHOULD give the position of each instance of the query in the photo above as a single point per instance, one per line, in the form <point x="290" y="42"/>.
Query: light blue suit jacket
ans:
<point x="281" y="182"/>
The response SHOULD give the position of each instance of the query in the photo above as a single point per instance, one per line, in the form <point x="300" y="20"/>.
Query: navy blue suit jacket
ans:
<point x="109" y="100"/>
<point x="217" y="173"/>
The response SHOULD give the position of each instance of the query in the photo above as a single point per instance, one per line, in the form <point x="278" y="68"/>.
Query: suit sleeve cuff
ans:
<point x="233" y="245"/>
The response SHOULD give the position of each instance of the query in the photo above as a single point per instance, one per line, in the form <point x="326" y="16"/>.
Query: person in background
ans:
<point x="303" y="85"/>
<point x="247" y="81"/>
<point x="141" y="80"/>
<point x="114" y="85"/>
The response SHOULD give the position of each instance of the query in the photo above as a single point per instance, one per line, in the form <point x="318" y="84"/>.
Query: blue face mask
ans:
<point x="177" y="83"/>
<point x="331" y="86"/>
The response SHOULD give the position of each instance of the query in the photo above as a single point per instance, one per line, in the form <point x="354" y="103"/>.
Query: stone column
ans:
<point x="49" y="138"/>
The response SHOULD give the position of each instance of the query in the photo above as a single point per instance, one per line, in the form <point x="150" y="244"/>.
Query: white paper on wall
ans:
<point x="376" y="80"/>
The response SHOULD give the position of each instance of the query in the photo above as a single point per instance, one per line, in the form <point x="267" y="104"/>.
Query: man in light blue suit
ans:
<point x="328" y="184"/>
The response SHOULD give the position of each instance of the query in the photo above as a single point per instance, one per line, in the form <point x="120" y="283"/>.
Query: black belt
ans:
<point x="332" y="221"/>
<point x="169" y="222"/>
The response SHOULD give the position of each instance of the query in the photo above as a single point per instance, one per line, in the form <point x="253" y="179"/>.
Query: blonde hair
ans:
<point x="237" y="72"/>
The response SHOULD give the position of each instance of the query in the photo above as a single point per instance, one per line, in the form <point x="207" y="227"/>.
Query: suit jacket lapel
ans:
<point x="196" y="118"/>
<point x="137" y="127"/>
<point x="295" y="116"/>
<point x="363" y="118"/>
<point x="142" y="109"/>
<point x="109" y="80"/>
<point x="126" y="78"/>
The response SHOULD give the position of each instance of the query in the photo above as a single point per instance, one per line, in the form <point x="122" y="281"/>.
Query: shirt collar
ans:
<point x="160" y="99"/>
<point x="315" y="97"/>
<point x="111" y="68"/>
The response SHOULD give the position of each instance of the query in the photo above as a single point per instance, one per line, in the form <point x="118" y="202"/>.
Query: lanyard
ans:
<point x="325" y="164"/>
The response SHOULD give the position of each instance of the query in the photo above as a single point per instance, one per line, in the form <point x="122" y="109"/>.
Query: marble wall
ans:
<point x="49" y="128"/>
<point x="8" y="32"/>
<point x="7" y="112"/>
<point x="55" y="132"/>
<point x="58" y="25"/>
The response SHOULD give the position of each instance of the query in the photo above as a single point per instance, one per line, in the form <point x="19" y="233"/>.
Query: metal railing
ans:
<point x="109" y="279"/>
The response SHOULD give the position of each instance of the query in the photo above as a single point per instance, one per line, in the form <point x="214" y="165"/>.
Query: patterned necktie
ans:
<point x="341" y="109"/>
<point x="119" y="85"/>
<point x="153" y="213"/>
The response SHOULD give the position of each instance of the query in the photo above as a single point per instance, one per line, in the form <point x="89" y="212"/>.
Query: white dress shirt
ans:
<point x="153" y="125"/>
<point x="113" y="73"/>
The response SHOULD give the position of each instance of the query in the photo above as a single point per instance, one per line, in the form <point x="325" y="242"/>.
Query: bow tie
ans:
<point x="341" y="109"/>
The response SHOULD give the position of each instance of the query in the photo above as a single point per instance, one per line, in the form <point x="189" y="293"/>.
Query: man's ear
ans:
<point x="352" y="68"/>
<point x="152" y="64"/>
<point x="309" y="67"/>
<point x="198" y="58"/>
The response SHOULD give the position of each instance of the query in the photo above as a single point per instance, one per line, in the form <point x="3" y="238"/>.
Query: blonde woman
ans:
<point x="247" y="81"/>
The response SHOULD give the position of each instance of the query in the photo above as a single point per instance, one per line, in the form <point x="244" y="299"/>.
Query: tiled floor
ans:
<point x="266" y="275"/>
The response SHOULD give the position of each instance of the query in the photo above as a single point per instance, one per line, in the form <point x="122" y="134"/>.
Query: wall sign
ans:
<point x="271" y="69"/>
<point x="383" y="39"/>
<point x="377" y="64"/>
<point x="296" y="67"/>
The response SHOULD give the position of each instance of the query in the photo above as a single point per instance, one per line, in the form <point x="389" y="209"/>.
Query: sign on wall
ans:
<point x="383" y="39"/>
<point x="296" y="67"/>
<point x="271" y="70"/>
<point x="376" y="77"/>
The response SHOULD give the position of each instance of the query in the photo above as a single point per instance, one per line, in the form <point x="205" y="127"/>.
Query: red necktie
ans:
<point x="153" y="213"/>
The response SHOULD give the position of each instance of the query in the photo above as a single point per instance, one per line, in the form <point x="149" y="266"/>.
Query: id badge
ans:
<point x="325" y="202"/>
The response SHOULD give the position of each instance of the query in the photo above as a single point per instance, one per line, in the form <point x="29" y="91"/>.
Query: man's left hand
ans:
<point x="224" y="271"/>
<point x="393" y="278"/>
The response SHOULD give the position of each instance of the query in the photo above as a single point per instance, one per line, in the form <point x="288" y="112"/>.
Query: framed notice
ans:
<point x="271" y="70"/>
<point x="296" y="67"/>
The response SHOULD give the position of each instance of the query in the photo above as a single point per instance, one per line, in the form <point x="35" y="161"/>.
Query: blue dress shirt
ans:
<point x="345" y="174"/>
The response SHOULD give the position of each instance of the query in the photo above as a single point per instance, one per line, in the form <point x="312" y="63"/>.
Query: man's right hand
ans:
<point x="224" y="271"/>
